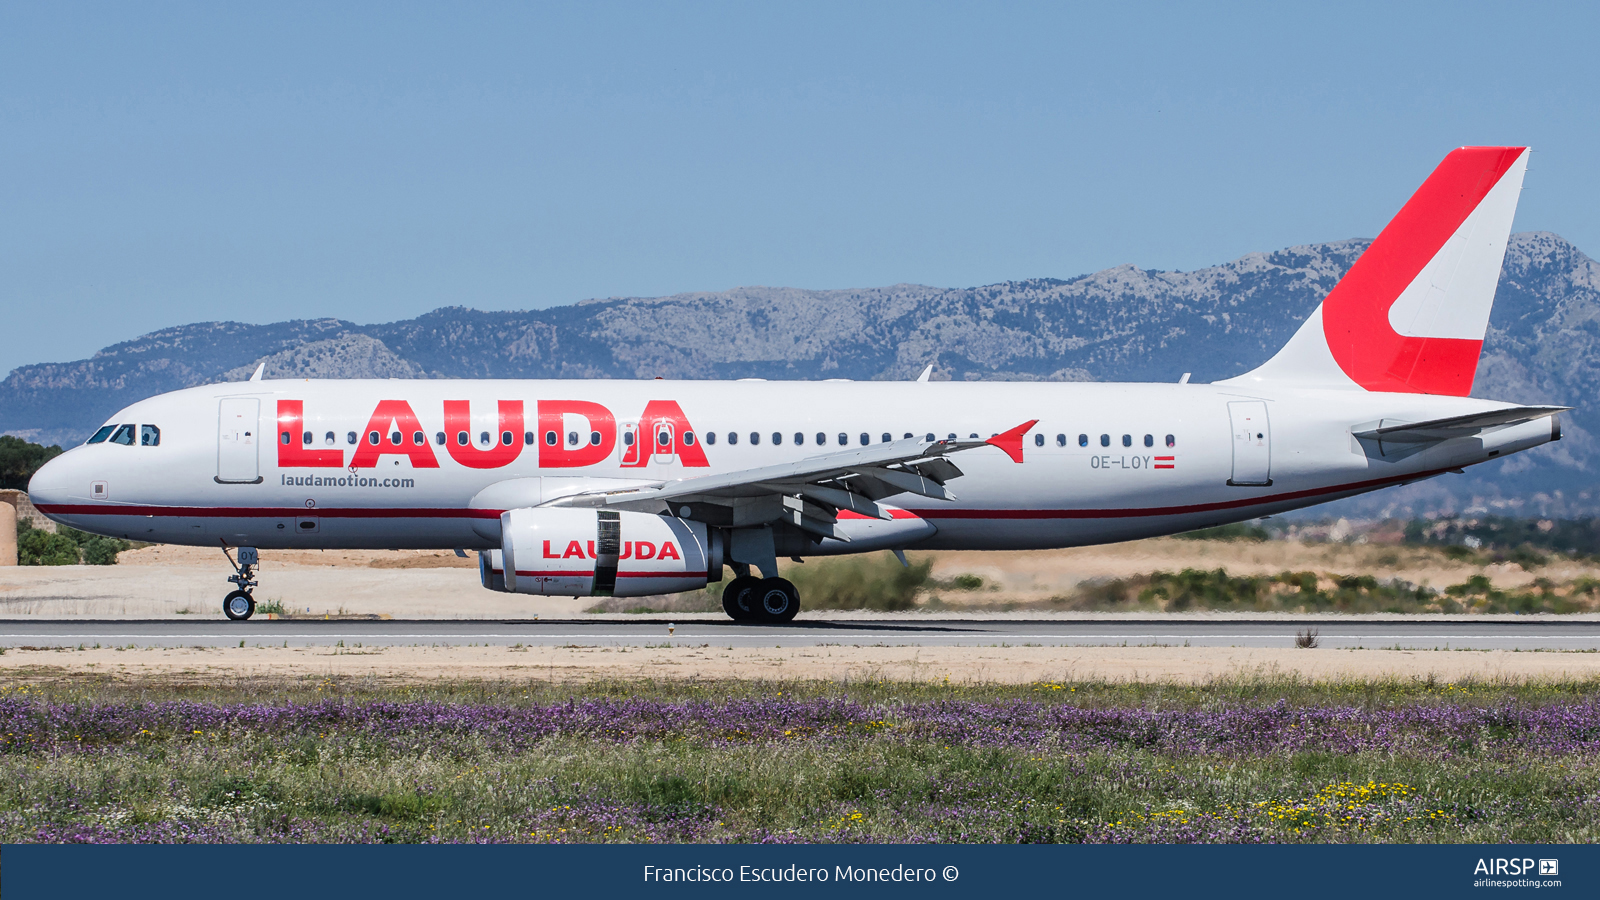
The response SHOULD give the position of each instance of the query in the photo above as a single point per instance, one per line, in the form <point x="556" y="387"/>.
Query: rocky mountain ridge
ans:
<point x="1119" y="324"/>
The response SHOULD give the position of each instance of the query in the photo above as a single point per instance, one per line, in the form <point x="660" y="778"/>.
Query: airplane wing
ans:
<point x="1437" y="430"/>
<point x="807" y="493"/>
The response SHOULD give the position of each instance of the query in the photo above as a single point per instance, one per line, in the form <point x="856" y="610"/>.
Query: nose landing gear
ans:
<point x="240" y="605"/>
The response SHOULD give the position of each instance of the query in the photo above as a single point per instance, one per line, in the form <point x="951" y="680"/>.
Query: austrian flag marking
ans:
<point x="1166" y="462"/>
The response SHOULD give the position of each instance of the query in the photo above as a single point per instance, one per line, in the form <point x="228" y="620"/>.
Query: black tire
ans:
<point x="238" y="612"/>
<point x="775" y="600"/>
<point x="737" y="598"/>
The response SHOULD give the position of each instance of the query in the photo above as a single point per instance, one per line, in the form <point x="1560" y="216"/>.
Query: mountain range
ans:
<point x="1119" y="324"/>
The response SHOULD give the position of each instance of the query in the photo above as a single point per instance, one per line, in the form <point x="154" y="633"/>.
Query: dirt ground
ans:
<point x="1003" y="665"/>
<point x="163" y="581"/>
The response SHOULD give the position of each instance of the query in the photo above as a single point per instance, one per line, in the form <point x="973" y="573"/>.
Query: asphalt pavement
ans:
<point x="1543" y="633"/>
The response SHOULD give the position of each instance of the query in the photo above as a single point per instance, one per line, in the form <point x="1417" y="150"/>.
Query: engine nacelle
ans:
<point x="569" y="552"/>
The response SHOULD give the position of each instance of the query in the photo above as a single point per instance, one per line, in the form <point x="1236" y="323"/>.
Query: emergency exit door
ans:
<point x="238" y="440"/>
<point x="1252" y="443"/>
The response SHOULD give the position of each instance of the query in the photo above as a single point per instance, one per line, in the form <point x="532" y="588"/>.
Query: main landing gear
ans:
<point x="240" y="604"/>
<point x="760" y="600"/>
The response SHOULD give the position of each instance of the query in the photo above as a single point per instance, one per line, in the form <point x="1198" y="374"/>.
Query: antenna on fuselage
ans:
<point x="256" y="376"/>
<point x="926" y="374"/>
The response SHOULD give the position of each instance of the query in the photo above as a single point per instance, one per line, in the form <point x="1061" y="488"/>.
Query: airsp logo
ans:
<point x="1514" y="867"/>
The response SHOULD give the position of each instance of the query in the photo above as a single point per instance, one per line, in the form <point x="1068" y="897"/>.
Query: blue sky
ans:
<point x="171" y="163"/>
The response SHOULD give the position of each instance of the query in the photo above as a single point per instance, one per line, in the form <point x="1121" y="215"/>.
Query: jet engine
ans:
<point x="573" y="552"/>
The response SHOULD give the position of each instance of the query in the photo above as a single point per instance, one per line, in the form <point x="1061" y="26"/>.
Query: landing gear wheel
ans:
<point x="775" y="600"/>
<point x="738" y="598"/>
<point x="239" y="606"/>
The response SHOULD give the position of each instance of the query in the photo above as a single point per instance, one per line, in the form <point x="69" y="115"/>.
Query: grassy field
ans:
<point x="674" y="761"/>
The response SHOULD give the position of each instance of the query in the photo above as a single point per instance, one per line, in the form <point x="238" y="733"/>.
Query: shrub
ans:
<point x="37" y="547"/>
<point x="65" y="547"/>
<point x="876" y="582"/>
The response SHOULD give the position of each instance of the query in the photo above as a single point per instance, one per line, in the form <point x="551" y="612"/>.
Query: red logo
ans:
<point x="292" y="451"/>
<point x="561" y="447"/>
<point x="663" y="435"/>
<point x="630" y="550"/>
<point x="501" y="448"/>
<point x="393" y="430"/>
<point x="1355" y="315"/>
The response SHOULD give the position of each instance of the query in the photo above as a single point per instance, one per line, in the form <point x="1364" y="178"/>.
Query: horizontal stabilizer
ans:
<point x="1457" y="426"/>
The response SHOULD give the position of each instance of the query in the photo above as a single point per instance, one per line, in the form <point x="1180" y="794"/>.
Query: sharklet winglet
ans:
<point x="1011" y="441"/>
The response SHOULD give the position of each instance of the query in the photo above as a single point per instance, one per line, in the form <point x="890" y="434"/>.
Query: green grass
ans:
<point x="879" y="781"/>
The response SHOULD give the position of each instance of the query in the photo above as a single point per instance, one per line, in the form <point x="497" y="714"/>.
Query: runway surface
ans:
<point x="1543" y="634"/>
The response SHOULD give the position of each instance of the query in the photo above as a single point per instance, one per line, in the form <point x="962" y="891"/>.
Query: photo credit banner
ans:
<point x="57" y="872"/>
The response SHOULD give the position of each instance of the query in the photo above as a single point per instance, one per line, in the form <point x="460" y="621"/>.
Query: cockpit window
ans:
<point x="149" y="436"/>
<point x="101" y="435"/>
<point x="123" y="435"/>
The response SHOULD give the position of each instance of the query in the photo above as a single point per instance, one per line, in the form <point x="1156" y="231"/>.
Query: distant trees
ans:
<point x="19" y="459"/>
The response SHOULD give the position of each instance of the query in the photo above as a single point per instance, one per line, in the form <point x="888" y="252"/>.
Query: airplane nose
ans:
<point x="50" y="484"/>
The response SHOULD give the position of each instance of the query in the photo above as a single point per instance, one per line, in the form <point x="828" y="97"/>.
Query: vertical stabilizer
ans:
<point x="1410" y="315"/>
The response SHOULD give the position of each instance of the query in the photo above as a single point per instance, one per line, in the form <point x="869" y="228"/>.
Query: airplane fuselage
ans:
<point x="397" y="464"/>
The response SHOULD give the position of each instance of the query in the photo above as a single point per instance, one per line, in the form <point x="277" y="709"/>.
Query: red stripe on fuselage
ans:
<point x="1135" y="512"/>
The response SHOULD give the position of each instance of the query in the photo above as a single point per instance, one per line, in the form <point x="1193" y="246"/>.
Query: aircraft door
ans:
<point x="238" y="440"/>
<point x="1252" y="443"/>
<point x="665" y="445"/>
<point x="629" y="443"/>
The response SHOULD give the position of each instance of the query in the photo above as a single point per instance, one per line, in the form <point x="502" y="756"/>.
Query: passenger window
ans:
<point x="627" y="438"/>
<point x="350" y="437"/>
<point x="887" y="437"/>
<point x="550" y="439"/>
<point x="329" y="439"/>
<point x="844" y="439"/>
<point x="462" y="439"/>
<point x="149" y="436"/>
<point x="483" y="438"/>
<point x="1127" y="440"/>
<point x="439" y="439"/>
<point x="930" y="438"/>
<point x="688" y="439"/>
<point x="418" y="438"/>
<point x="1083" y="440"/>
<point x="527" y="438"/>
<point x="951" y="436"/>
<point x="711" y="437"/>
<point x="908" y="434"/>
<point x="283" y="438"/>
<point x="305" y="438"/>
<point x="594" y="438"/>
<point x="865" y="439"/>
<point x="572" y="438"/>
<point x="733" y="437"/>
<point x="1105" y="440"/>
<point x="1038" y="440"/>
<point x="395" y="438"/>
<point x="1170" y="440"/>
<point x="1061" y="440"/>
<point x="662" y="438"/>
<point x="1149" y="440"/>
<point x="507" y="439"/>
<point x="755" y="437"/>
<point x="100" y="436"/>
<point x="799" y="439"/>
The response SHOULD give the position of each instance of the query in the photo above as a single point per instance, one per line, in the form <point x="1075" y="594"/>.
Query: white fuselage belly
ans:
<point x="1058" y="496"/>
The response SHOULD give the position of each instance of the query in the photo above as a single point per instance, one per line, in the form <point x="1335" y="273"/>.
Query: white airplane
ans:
<point x="631" y="488"/>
